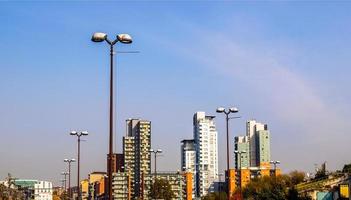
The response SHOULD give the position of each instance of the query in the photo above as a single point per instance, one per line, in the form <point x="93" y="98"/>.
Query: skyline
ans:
<point x="196" y="57"/>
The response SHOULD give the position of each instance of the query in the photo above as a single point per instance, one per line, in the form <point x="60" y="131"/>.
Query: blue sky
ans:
<point x="282" y="63"/>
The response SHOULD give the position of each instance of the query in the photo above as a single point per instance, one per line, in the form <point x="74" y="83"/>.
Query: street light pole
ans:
<point x="227" y="112"/>
<point x="275" y="163"/>
<point x="69" y="161"/>
<point x="65" y="175"/>
<point x="79" y="134"/>
<point x="155" y="152"/>
<point x="126" y="39"/>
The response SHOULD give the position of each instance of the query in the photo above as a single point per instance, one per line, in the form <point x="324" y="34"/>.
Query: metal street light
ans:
<point x="126" y="39"/>
<point x="239" y="158"/>
<point x="155" y="152"/>
<point x="65" y="175"/>
<point x="69" y="161"/>
<point x="78" y="134"/>
<point x="227" y="112"/>
<point x="275" y="163"/>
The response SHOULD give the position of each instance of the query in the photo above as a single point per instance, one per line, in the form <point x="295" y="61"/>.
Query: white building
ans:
<point x="43" y="190"/>
<point x="205" y="136"/>
<point x="188" y="159"/>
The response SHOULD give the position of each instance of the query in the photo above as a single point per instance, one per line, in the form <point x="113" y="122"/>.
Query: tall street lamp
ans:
<point x="69" y="161"/>
<point x="238" y="153"/>
<point x="126" y="39"/>
<point x="65" y="175"/>
<point x="155" y="152"/>
<point x="78" y="134"/>
<point x="227" y="112"/>
<point x="275" y="163"/>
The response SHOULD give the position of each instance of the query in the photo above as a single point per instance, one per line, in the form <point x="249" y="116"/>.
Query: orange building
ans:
<point x="265" y="172"/>
<point x="245" y="177"/>
<point x="189" y="185"/>
<point x="232" y="181"/>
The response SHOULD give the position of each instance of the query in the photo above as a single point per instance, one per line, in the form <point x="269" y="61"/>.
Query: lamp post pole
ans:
<point x="78" y="134"/>
<point x="65" y="175"/>
<point x="227" y="112"/>
<point x="123" y="38"/>
<point x="69" y="161"/>
<point x="155" y="152"/>
<point x="275" y="163"/>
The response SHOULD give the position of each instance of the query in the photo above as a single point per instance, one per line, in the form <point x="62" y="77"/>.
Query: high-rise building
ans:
<point x="136" y="151"/>
<point x="188" y="160"/>
<point x="205" y="136"/>
<point x="252" y="128"/>
<point x="263" y="149"/>
<point x="241" y="144"/>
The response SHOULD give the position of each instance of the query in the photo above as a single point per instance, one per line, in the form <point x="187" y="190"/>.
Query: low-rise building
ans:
<point x="121" y="186"/>
<point x="181" y="184"/>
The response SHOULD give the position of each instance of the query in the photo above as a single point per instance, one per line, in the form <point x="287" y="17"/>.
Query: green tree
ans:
<point x="161" y="189"/>
<point x="274" y="188"/>
<point x="296" y="177"/>
<point x="346" y="168"/>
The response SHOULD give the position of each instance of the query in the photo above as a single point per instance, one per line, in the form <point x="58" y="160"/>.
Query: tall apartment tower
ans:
<point x="137" y="156"/>
<point x="263" y="149"/>
<point x="205" y="136"/>
<point x="258" y="137"/>
<point x="251" y="129"/>
<point x="188" y="160"/>
<point x="241" y="144"/>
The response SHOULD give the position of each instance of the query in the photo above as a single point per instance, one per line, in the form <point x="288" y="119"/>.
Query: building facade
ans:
<point x="188" y="160"/>
<point x="205" y="137"/>
<point x="252" y="127"/>
<point x="242" y="145"/>
<point x="256" y="143"/>
<point x="136" y="151"/>
<point x="121" y="186"/>
<point x="263" y="149"/>
<point x="43" y="190"/>
<point x="181" y="184"/>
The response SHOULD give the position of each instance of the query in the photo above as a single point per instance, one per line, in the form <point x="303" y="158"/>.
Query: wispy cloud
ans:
<point x="308" y="130"/>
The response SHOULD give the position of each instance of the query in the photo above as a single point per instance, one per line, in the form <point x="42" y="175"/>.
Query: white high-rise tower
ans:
<point x="205" y="136"/>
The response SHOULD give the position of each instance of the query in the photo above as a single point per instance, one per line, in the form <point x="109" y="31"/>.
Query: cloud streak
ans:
<point x="307" y="130"/>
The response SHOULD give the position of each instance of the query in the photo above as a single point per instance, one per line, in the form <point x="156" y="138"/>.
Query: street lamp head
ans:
<point x="65" y="160"/>
<point x="73" y="133"/>
<point x="159" y="150"/>
<point x="278" y="162"/>
<point x="236" y="151"/>
<point x="73" y="160"/>
<point x="234" y="109"/>
<point x="124" y="38"/>
<point x="220" y="110"/>
<point x="151" y="150"/>
<point x="99" y="37"/>
<point x="243" y="151"/>
<point x="84" y="133"/>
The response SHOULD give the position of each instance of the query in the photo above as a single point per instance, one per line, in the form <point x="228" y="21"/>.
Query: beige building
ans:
<point x="137" y="156"/>
<point x="121" y="186"/>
